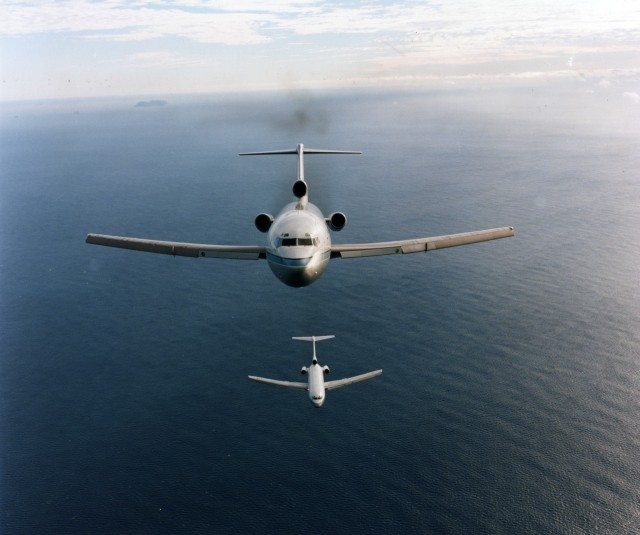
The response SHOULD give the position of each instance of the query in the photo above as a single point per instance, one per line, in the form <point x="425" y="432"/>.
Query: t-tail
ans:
<point x="313" y="339"/>
<point x="300" y="186"/>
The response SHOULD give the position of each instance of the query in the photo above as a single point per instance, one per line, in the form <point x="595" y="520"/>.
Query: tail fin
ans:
<point x="313" y="339"/>
<point x="300" y="151"/>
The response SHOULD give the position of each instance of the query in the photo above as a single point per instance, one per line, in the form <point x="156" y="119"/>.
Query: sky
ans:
<point x="85" y="48"/>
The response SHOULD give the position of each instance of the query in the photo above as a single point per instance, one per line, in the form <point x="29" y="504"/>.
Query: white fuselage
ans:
<point x="316" y="383"/>
<point x="298" y="244"/>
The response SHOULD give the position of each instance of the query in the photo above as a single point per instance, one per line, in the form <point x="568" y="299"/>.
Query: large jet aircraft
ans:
<point x="299" y="246"/>
<point x="316" y="384"/>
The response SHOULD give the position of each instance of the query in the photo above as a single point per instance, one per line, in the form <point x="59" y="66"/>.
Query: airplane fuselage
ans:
<point x="316" y="383"/>
<point x="298" y="244"/>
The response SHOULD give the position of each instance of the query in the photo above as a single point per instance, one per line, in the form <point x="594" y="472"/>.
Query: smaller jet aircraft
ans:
<point x="316" y="384"/>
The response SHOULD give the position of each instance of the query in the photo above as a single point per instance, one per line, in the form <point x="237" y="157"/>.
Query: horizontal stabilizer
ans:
<point x="313" y="338"/>
<point x="300" y="150"/>
<point x="304" y="151"/>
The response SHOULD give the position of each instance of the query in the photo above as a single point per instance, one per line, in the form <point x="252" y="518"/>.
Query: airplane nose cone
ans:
<point x="297" y="273"/>
<point x="297" y="277"/>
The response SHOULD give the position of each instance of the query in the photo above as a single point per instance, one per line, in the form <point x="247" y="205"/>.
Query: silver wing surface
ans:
<point x="332" y="385"/>
<point x="238" y="252"/>
<point x="419" y="244"/>
<point x="284" y="384"/>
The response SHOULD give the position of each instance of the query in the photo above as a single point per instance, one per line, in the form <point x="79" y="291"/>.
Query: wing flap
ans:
<point x="284" y="384"/>
<point x="194" y="250"/>
<point x="332" y="385"/>
<point x="419" y="244"/>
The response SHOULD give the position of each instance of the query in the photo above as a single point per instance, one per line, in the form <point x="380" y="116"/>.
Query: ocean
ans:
<point x="510" y="395"/>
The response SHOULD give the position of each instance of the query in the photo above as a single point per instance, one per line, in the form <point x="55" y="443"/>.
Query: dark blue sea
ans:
<point x="510" y="399"/>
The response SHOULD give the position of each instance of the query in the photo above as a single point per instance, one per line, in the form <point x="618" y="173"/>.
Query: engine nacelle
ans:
<point x="304" y="370"/>
<point x="263" y="222"/>
<point x="336" y="221"/>
<point x="299" y="188"/>
<point x="326" y="370"/>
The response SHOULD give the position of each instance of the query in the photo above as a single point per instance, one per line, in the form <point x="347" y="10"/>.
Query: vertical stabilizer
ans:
<point x="300" y="151"/>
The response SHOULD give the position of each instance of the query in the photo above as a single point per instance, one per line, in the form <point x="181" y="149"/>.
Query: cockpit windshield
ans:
<point x="292" y="242"/>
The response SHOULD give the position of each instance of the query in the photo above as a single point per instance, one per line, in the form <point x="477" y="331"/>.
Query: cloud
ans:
<point x="408" y="24"/>
<point x="115" y="20"/>
<point x="259" y="43"/>
<point x="159" y="59"/>
<point x="633" y="96"/>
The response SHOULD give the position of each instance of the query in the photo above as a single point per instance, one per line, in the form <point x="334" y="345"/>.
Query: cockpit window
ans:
<point x="292" y="242"/>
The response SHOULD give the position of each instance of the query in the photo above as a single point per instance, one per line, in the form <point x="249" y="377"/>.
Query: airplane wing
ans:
<point x="238" y="252"/>
<point x="419" y="244"/>
<point x="285" y="384"/>
<point x="332" y="385"/>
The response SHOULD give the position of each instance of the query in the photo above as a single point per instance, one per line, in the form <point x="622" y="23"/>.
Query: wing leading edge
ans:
<point x="236" y="252"/>
<point x="332" y="385"/>
<point x="419" y="244"/>
<point x="284" y="384"/>
<point x="255" y="252"/>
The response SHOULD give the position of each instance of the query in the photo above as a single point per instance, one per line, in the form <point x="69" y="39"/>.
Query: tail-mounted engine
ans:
<point x="326" y="370"/>
<point x="336" y="221"/>
<point x="263" y="222"/>
<point x="304" y="370"/>
<point x="299" y="188"/>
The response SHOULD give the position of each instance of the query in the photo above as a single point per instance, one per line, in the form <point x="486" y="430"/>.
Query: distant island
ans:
<point x="150" y="103"/>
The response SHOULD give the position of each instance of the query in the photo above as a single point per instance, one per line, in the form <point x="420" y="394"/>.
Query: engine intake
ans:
<point x="299" y="188"/>
<point x="263" y="222"/>
<point x="336" y="221"/>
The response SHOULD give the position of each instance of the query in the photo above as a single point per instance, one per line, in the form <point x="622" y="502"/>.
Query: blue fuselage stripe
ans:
<point x="296" y="262"/>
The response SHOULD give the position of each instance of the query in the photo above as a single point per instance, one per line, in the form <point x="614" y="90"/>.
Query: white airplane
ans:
<point x="299" y="246"/>
<point x="316" y="384"/>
